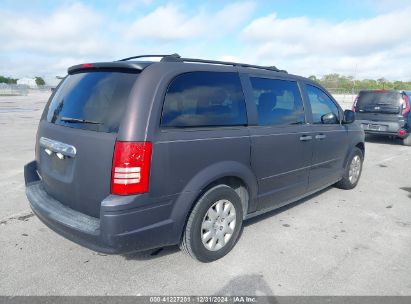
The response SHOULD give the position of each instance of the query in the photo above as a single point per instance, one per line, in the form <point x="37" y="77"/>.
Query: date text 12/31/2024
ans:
<point x="203" y="299"/>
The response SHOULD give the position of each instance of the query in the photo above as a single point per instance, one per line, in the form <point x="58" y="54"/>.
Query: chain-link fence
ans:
<point x="342" y="91"/>
<point x="14" y="89"/>
<point x="44" y="88"/>
<point x="344" y="96"/>
<point x="20" y="89"/>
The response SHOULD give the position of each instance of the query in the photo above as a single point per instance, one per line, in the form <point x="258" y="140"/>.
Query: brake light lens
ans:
<point x="130" y="172"/>
<point x="354" y="104"/>
<point x="86" y="65"/>
<point x="405" y="105"/>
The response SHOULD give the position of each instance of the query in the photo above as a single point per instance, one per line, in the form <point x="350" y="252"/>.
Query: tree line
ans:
<point x="330" y="81"/>
<point x="39" y="80"/>
<point x="349" y="84"/>
<point x="7" y="80"/>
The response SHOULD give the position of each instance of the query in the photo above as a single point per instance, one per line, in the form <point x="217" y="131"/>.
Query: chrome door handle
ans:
<point x="320" y="136"/>
<point x="305" y="137"/>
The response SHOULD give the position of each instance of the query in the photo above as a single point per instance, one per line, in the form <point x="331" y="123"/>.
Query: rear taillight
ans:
<point x="405" y="105"/>
<point x="354" y="104"/>
<point x="131" y="167"/>
<point x="402" y="132"/>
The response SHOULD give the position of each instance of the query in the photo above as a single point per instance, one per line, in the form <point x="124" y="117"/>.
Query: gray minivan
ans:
<point x="133" y="155"/>
<point x="385" y="112"/>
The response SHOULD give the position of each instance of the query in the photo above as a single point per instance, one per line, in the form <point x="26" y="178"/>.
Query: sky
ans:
<point x="363" y="39"/>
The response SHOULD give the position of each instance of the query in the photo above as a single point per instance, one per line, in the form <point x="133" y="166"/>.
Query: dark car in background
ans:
<point x="385" y="112"/>
<point x="133" y="155"/>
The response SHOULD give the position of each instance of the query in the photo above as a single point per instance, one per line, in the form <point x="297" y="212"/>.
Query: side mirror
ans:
<point x="329" y="118"/>
<point x="349" y="117"/>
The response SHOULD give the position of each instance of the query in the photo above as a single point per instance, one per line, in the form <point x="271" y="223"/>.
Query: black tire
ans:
<point x="407" y="140"/>
<point x="345" y="182"/>
<point x="192" y="243"/>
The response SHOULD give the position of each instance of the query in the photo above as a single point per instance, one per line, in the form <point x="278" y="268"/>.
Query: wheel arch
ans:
<point x="234" y="174"/>
<point x="360" y="145"/>
<point x="239" y="186"/>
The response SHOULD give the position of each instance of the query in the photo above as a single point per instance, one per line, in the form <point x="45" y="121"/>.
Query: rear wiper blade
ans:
<point x="78" y="120"/>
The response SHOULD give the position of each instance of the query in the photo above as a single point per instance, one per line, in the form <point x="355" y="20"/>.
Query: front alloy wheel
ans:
<point x="355" y="169"/>
<point x="352" y="171"/>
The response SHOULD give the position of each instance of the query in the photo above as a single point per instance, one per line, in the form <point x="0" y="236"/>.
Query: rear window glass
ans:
<point x="92" y="101"/>
<point x="379" y="98"/>
<point x="202" y="99"/>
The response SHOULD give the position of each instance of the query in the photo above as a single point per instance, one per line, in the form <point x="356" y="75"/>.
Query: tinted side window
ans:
<point x="320" y="104"/>
<point x="200" y="99"/>
<point x="278" y="101"/>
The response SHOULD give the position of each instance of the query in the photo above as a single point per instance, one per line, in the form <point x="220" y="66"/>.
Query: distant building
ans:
<point x="31" y="82"/>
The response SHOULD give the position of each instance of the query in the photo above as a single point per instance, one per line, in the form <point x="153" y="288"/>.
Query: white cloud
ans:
<point x="170" y="22"/>
<point x="69" y="30"/>
<point x="46" y="44"/>
<point x="229" y="58"/>
<point x="371" y="47"/>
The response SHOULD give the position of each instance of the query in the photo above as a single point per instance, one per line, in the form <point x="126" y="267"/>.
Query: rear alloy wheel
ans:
<point x="218" y="225"/>
<point x="214" y="224"/>
<point x="352" y="171"/>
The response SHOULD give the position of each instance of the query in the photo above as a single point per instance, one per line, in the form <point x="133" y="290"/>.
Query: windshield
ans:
<point x="93" y="101"/>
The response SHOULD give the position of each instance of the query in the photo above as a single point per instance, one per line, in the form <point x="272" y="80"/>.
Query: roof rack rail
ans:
<point x="245" y="65"/>
<point x="145" y="56"/>
<point x="280" y="70"/>
<point x="178" y="58"/>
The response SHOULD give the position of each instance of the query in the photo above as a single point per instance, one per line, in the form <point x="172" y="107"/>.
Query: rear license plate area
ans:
<point x="374" y="127"/>
<point x="54" y="167"/>
<point x="58" y="165"/>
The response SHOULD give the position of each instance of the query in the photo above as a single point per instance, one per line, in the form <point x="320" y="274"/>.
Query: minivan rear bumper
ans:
<point x="118" y="230"/>
<point x="383" y="127"/>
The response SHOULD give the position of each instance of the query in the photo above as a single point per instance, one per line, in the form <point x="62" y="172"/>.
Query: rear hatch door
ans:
<point x="379" y="106"/>
<point x="77" y="134"/>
